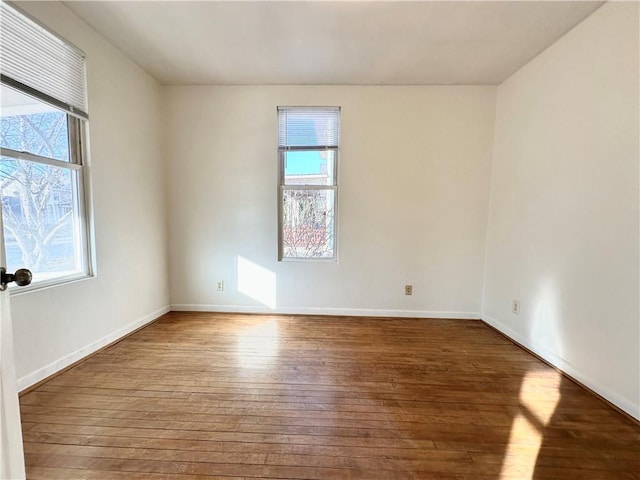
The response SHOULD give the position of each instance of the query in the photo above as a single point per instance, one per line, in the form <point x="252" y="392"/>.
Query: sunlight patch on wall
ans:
<point x="544" y="331"/>
<point x="539" y="397"/>
<point x="257" y="282"/>
<point x="257" y="346"/>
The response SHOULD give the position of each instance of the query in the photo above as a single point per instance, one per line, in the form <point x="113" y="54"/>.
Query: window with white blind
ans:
<point x="43" y="173"/>
<point x="308" y="146"/>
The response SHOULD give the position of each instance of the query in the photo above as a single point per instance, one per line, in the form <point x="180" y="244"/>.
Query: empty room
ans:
<point x="376" y="240"/>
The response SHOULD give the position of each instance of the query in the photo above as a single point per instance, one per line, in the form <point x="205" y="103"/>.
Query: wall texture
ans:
<point x="414" y="181"/>
<point x="59" y="325"/>
<point x="564" y="215"/>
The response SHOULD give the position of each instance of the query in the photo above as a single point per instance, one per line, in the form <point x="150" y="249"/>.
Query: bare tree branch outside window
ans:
<point x="37" y="199"/>
<point x="308" y="223"/>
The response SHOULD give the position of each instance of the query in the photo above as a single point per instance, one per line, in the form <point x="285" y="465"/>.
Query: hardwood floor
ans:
<point x="229" y="396"/>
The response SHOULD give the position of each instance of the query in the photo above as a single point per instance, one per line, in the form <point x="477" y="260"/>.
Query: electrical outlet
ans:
<point x="515" y="307"/>
<point x="220" y="286"/>
<point x="408" y="289"/>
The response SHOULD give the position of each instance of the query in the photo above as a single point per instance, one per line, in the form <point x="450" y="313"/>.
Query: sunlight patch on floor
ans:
<point x="257" y="346"/>
<point x="539" y="397"/>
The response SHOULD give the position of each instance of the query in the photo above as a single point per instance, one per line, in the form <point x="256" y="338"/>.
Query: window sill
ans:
<point x="16" y="291"/>
<point x="309" y="260"/>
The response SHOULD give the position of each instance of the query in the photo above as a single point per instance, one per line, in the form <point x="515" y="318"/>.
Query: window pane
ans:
<point x="309" y="167"/>
<point x="41" y="220"/>
<point x="308" y="223"/>
<point x="29" y="125"/>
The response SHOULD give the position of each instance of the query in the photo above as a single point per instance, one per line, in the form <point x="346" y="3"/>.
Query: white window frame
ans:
<point x="64" y="89"/>
<point x="77" y="130"/>
<point x="282" y="187"/>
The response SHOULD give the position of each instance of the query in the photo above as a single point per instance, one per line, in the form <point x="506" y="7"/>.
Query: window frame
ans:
<point x="77" y="132"/>
<point x="283" y="186"/>
<point x="52" y="70"/>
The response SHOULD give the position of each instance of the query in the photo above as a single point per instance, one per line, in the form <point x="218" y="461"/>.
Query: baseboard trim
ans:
<point x="618" y="402"/>
<point x="351" y="312"/>
<point x="43" y="374"/>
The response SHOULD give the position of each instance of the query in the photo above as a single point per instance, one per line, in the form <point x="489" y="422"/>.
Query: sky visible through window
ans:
<point x="305" y="163"/>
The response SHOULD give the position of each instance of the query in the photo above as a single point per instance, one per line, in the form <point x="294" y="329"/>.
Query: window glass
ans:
<point x="29" y="125"/>
<point x="41" y="220"/>
<point x="309" y="167"/>
<point x="41" y="189"/>
<point x="308" y="218"/>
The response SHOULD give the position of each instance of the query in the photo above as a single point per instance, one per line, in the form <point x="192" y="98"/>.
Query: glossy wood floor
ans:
<point x="238" y="396"/>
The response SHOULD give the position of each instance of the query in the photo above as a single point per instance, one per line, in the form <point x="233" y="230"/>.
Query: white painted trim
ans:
<point x="356" y="312"/>
<point x="34" y="377"/>
<point x="621" y="402"/>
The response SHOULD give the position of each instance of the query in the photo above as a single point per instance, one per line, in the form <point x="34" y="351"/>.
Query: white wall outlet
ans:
<point x="408" y="289"/>
<point x="515" y="307"/>
<point x="220" y="286"/>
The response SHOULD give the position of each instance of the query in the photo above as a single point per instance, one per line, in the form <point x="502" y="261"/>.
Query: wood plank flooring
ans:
<point x="230" y="396"/>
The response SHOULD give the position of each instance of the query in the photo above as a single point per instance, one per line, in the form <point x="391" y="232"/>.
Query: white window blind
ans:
<point x="33" y="57"/>
<point x="311" y="127"/>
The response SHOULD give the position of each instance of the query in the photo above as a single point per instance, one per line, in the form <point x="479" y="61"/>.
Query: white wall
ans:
<point x="564" y="216"/>
<point x="414" y="183"/>
<point x="55" y="327"/>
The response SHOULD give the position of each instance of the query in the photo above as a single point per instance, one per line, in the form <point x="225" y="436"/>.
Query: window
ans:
<point x="308" y="144"/>
<point x="42" y="169"/>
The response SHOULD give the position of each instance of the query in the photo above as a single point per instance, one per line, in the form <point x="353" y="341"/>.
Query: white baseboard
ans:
<point x="619" y="401"/>
<point x="34" y="377"/>
<point x="355" y="312"/>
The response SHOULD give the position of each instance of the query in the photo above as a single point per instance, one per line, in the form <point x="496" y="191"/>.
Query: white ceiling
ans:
<point x="328" y="43"/>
